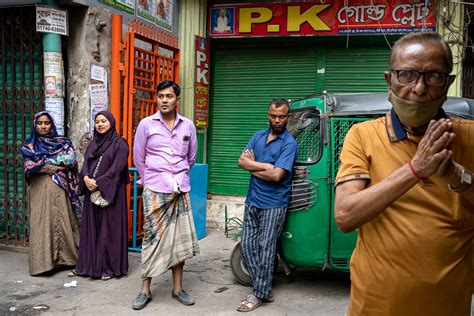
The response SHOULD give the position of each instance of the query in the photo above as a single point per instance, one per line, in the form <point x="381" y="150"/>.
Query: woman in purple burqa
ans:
<point x="103" y="232"/>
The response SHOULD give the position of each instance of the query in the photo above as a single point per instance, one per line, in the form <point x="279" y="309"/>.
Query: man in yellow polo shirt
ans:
<point x="405" y="184"/>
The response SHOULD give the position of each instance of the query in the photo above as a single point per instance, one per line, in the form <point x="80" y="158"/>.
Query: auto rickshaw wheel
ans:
<point x="238" y="268"/>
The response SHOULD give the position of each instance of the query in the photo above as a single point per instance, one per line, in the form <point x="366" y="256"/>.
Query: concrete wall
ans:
<point x="192" y="19"/>
<point x="86" y="46"/>
<point x="216" y="206"/>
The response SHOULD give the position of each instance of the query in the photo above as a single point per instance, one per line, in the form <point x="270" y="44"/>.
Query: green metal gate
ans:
<point x="21" y="95"/>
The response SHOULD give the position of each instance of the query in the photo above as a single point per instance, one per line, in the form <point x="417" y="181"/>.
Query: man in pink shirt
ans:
<point x="164" y="151"/>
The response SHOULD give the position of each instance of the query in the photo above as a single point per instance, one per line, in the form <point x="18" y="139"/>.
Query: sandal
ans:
<point x="268" y="299"/>
<point x="72" y="273"/>
<point x="250" y="303"/>
<point x="106" y="277"/>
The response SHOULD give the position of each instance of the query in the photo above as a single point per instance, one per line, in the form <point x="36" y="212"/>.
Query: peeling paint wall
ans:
<point x="87" y="46"/>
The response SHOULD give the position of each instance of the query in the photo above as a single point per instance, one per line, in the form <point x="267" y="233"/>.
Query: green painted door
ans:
<point x="21" y="95"/>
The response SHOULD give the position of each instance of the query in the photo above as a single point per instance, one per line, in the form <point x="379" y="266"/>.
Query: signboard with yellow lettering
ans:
<point x="325" y="17"/>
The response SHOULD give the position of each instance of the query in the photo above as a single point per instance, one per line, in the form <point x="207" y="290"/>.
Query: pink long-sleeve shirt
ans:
<point x="164" y="157"/>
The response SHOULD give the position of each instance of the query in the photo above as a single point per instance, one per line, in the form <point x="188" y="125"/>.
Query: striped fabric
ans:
<point x="169" y="233"/>
<point x="258" y="245"/>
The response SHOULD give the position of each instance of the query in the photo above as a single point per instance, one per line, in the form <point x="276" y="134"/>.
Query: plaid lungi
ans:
<point x="169" y="233"/>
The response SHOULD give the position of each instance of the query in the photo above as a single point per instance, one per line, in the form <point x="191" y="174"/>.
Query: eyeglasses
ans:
<point x="437" y="79"/>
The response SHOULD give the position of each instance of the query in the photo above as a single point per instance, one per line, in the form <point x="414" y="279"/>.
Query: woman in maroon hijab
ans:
<point x="103" y="234"/>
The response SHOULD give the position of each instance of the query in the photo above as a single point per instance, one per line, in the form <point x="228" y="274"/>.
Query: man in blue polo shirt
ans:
<point x="269" y="157"/>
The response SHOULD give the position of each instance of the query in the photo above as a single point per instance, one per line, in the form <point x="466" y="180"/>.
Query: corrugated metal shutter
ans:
<point x="245" y="79"/>
<point x="356" y="69"/>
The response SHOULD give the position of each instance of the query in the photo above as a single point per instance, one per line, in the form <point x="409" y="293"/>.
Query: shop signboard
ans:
<point x="336" y="17"/>
<point x="201" y="87"/>
<point x="124" y="5"/>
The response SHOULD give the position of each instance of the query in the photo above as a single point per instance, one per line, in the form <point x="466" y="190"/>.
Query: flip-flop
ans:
<point x="249" y="304"/>
<point x="72" y="273"/>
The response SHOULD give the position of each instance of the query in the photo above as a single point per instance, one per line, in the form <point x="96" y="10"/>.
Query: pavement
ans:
<point x="207" y="277"/>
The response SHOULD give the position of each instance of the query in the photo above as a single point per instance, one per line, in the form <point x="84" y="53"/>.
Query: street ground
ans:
<point x="208" y="278"/>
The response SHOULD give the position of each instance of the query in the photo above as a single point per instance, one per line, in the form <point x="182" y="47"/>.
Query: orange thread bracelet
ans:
<point x="417" y="175"/>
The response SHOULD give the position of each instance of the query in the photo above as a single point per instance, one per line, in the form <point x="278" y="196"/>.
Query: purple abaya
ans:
<point x="103" y="232"/>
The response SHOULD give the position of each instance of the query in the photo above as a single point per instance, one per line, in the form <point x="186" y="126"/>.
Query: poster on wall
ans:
<point x="53" y="74"/>
<point x="164" y="14"/>
<point x="124" y="5"/>
<point x="146" y="9"/>
<point x="222" y="21"/>
<point x="51" y="20"/>
<point x="337" y="17"/>
<point x="55" y="107"/>
<point x="201" y="86"/>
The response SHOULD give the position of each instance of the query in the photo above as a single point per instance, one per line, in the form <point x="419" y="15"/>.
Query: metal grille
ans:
<point x="150" y="56"/>
<point x="303" y="195"/>
<point x="21" y="95"/>
<point x="308" y="146"/>
<point x="341" y="263"/>
<point x="304" y="124"/>
<point x="339" y="129"/>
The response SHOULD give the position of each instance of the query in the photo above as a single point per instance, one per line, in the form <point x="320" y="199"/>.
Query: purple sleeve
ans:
<point x="109" y="181"/>
<point x="139" y="148"/>
<point x="192" y="146"/>
<point x="84" y="172"/>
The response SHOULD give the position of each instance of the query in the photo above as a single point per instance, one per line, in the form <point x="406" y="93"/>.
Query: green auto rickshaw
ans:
<point x="319" y="123"/>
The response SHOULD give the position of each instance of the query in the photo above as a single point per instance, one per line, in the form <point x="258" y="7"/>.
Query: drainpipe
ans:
<point x="53" y="75"/>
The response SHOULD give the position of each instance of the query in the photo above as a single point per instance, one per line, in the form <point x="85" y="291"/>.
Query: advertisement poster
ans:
<point x="124" y="5"/>
<point x="53" y="74"/>
<point x="336" y="17"/>
<point x="55" y="107"/>
<point x="164" y="14"/>
<point x="201" y="87"/>
<point x="98" y="73"/>
<point x="50" y="20"/>
<point x="146" y="9"/>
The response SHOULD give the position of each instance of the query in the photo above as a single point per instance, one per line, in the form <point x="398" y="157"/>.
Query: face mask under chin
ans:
<point x="415" y="114"/>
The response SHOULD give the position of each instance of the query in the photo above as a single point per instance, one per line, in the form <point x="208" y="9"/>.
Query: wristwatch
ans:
<point x="466" y="181"/>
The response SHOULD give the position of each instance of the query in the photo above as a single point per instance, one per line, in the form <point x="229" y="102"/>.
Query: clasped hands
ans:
<point x="90" y="184"/>
<point x="50" y="169"/>
<point x="434" y="156"/>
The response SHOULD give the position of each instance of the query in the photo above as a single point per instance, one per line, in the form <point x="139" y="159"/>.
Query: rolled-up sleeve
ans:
<point x="354" y="164"/>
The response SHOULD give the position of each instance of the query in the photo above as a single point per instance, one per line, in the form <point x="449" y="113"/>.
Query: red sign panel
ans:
<point x="201" y="87"/>
<point x="336" y="17"/>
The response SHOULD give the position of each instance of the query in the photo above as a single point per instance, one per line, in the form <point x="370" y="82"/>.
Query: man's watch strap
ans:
<point x="466" y="182"/>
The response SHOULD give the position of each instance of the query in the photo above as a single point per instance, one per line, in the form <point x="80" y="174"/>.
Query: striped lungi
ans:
<point x="169" y="233"/>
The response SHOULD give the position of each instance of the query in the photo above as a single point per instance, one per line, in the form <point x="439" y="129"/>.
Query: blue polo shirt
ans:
<point x="280" y="152"/>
